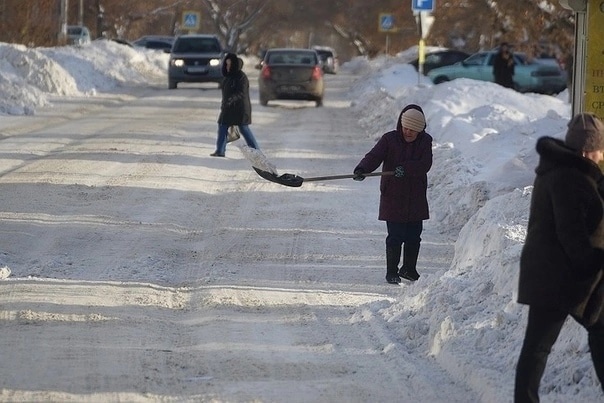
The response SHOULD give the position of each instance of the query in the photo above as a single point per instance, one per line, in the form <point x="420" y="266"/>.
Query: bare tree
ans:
<point x="527" y="24"/>
<point x="233" y="19"/>
<point x="351" y="26"/>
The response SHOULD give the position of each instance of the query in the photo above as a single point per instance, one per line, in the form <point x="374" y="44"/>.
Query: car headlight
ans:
<point x="177" y="62"/>
<point x="214" y="62"/>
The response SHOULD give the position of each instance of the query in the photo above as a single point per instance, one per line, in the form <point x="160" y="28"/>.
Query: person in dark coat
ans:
<point x="403" y="201"/>
<point x="236" y="108"/>
<point x="503" y="66"/>
<point x="562" y="258"/>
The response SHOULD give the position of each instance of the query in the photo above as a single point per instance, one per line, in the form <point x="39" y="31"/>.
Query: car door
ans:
<point x="484" y="71"/>
<point x="474" y="67"/>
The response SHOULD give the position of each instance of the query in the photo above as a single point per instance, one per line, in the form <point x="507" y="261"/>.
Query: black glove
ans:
<point x="359" y="174"/>
<point x="399" y="172"/>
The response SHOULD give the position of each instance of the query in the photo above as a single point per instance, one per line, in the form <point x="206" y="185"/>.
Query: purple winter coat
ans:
<point x="402" y="199"/>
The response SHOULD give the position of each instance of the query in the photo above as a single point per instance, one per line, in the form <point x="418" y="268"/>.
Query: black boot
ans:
<point x="393" y="257"/>
<point x="410" y="254"/>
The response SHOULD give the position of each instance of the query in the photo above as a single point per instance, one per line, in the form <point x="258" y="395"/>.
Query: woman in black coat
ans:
<point x="562" y="257"/>
<point x="407" y="150"/>
<point x="503" y="66"/>
<point x="236" y="108"/>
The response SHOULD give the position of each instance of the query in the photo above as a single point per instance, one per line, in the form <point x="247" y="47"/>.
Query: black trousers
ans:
<point x="544" y="326"/>
<point x="399" y="233"/>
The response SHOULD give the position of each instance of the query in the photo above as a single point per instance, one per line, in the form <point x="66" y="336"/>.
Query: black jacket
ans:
<point x="503" y="70"/>
<point x="560" y="262"/>
<point x="236" y="108"/>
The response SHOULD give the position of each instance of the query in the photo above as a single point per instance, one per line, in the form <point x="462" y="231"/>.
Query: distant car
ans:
<point x="528" y="76"/>
<point x="195" y="58"/>
<point x="116" y="40"/>
<point x="78" y="35"/>
<point x="291" y="73"/>
<point x="440" y="58"/>
<point x="261" y="54"/>
<point x="161" y="42"/>
<point x="329" y="59"/>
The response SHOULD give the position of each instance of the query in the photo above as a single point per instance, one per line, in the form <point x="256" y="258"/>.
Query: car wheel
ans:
<point x="441" y="79"/>
<point x="172" y="84"/>
<point x="263" y="101"/>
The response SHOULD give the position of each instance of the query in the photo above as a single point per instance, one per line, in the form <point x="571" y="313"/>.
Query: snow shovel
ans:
<point x="268" y="171"/>
<point x="295" y="181"/>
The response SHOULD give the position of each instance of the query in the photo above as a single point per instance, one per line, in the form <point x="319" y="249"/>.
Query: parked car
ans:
<point x="195" y="58"/>
<point x="440" y="58"/>
<point x="528" y="76"/>
<point x="291" y="73"/>
<point x="161" y="42"/>
<point x="119" y="41"/>
<point x="329" y="59"/>
<point x="261" y="53"/>
<point x="78" y="35"/>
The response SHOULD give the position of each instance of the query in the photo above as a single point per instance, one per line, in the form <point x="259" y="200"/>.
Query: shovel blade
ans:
<point x="290" y="180"/>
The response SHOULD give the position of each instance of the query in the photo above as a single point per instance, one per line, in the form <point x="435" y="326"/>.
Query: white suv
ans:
<point x="78" y="35"/>
<point x="329" y="59"/>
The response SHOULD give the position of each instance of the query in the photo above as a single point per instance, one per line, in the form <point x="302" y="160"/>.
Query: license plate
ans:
<point x="290" y="88"/>
<point x="196" y="69"/>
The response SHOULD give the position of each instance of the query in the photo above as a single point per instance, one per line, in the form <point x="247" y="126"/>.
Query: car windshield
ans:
<point x="74" y="31"/>
<point x="476" y="59"/>
<point x="197" y="45"/>
<point x="292" y="58"/>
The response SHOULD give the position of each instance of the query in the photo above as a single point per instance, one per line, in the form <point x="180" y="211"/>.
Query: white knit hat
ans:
<point x="413" y="119"/>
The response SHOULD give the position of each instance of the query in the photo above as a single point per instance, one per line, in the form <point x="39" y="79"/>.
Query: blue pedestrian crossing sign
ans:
<point x="422" y="5"/>
<point x="190" y="20"/>
<point x="386" y="22"/>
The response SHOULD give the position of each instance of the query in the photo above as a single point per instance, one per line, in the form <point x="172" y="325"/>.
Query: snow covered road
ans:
<point x="145" y="270"/>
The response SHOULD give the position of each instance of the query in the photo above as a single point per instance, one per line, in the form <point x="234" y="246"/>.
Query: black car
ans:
<point x="155" y="42"/>
<point x="440" y="58"/>
<point x="195" y="58"/>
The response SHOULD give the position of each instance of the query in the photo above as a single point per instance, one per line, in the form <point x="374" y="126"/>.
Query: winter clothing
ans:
<point x="585" y="133"/>
<point x="236" y="108"/>
<point x="403" y="198"/>
<point x="410" y="253"/>
<point x="560" y="265"/>
<point x="503" y="67"/>
<point x="393" y="257"/>
<point x="543" y="327"/>
<point x="413" y="119"/>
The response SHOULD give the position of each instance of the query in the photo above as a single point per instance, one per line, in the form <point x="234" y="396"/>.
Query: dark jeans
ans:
<point x="399" y="233"/>
<point x="542" y="330"/>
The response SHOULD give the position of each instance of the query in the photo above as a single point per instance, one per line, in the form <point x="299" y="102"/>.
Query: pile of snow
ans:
<point x="29" y="77"/>
<point x="479" y="191"/>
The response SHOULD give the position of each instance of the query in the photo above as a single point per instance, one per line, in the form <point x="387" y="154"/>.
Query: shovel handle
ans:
<point x="333" y="177"/>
